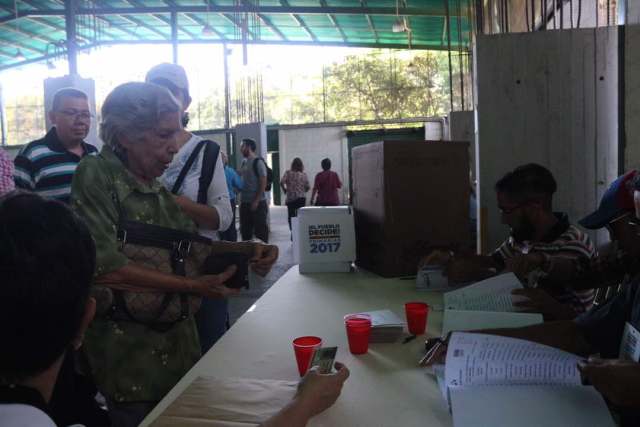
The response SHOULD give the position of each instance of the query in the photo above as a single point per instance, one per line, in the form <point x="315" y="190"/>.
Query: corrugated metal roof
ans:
<point x="34" y="30"/>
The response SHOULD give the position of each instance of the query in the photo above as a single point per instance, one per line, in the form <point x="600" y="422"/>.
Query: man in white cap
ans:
<point x="216" y="214"/>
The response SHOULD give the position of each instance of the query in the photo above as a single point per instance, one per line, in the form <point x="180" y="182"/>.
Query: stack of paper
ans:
<point x="494" y="381"/>
<point x="386" y="326"/>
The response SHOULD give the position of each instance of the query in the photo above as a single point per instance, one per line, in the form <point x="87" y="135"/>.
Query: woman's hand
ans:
<point x="264" y="256"/>
<point x="212" y="285"/>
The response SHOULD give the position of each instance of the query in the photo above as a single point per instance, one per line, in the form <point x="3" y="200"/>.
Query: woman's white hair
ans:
<point x="133" y="108"/>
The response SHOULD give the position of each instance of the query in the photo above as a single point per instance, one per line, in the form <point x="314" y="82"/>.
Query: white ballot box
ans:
<point x="324" y="239"/>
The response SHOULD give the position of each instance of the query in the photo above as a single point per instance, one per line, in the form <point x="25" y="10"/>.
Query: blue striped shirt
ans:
<point x="46" y="167"/>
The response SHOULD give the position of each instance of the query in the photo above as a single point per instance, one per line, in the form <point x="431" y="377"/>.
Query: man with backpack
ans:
<point x="253" y="204"/>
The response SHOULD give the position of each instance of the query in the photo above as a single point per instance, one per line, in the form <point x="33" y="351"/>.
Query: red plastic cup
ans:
<point x="358" y="331"/>
<point x="304" y="347"/>
<point x="416" y="317"/>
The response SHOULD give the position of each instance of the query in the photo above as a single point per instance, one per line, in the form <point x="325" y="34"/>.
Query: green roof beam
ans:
<point x="299" y="21"/>
<point x="334" y="22"/>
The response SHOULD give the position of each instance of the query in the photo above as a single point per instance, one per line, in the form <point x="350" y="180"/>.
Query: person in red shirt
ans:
<point x="326" y="185"/>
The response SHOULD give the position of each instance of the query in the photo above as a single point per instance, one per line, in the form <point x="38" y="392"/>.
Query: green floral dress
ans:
<point x="130" y="362"/>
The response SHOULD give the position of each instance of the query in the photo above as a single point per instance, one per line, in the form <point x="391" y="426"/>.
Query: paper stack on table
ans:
<point x="493" y="381"/>
<point x="386" y="326"/>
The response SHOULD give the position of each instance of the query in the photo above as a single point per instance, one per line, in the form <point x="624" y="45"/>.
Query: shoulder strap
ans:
<point x="209" y="160"/>
<point x="255" y="165"/>
<point x="185" y="169"/>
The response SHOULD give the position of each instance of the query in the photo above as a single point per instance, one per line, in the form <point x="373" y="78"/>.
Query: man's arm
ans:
<point x="463" y="268"/>
<point x="262" y="185"/>
<point x="205" y="216"/>
<point x="316" y="392"/>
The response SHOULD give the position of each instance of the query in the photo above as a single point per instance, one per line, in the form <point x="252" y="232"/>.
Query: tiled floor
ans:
<point x="280" y="236"/>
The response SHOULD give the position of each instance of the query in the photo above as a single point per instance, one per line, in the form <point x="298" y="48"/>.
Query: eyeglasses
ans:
<point x="77" y="114"/>
<point x="509" y="211"/>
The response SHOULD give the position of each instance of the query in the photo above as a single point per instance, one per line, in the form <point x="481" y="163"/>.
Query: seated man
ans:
<point x="47" y="260"/>
<point x="600" y="331"/>
<point x="537" y="235"/>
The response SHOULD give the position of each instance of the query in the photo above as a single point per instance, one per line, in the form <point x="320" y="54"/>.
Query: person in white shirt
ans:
<point x="47" y="261"/>
<point x="213" y="317"/>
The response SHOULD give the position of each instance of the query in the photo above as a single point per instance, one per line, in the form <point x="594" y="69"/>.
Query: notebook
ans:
<point x="498" y="381"/>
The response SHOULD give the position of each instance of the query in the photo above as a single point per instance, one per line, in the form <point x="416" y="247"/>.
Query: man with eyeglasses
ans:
<point x="538" y="235"/>
<point x="608" y="334"/>
<point x="46" y="166"/>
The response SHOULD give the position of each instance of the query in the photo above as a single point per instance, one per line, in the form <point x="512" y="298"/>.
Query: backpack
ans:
<point x="209" y="160"/>
<point x="269" y="173"/>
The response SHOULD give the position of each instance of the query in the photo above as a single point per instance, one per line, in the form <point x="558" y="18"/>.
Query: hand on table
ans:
<point x="317" y="392"/>
<point x="264" y="256"/>
<point x="522" y="265"/>
<point x="436" y="257"/>
<point x="617" y="380"/>
<point x="212" y="285"/>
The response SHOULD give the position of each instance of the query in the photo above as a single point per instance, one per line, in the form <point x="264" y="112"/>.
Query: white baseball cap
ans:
<point x="174" y="73"/>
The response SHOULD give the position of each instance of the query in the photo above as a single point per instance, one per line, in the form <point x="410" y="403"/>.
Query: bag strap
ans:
<point x="209" y="161"/>
<point x="185" y="169"/>
<point x="255" y="165"/>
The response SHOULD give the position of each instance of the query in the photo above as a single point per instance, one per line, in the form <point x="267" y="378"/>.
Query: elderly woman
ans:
<point x="133" y="364"/>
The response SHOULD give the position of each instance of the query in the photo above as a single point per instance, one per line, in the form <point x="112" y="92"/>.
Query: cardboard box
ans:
<point x="324" y="239"/>
<point x="409" y="197"/>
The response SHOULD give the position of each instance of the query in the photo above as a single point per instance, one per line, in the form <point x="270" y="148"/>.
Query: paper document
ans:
<point x="529" y="406"/>
<point x="467" y="320"/>
<point x="493" y="294"/>
<point x="479" y="359"/>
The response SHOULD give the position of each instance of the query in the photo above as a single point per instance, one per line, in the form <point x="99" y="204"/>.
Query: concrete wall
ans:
<point x="312" y="145"/>
<point x="632" y="96"/>
<point x="632" y="12"/>
<point x="462" y="128"/>
<point x="547" y="97"/>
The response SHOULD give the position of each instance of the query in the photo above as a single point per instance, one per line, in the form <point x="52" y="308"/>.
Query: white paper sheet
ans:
<point x="467" y="320"/>
<point x="529" y="406"/>
<point x="479" y="359"/>
<point x="493" y="294"/>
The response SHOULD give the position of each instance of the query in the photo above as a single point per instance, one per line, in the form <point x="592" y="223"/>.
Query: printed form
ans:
<point x="493" y="294"/>
<point x="478" y="359"/>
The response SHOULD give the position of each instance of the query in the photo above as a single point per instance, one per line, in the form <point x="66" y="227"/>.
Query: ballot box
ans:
<point x="324" y="239"/>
